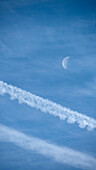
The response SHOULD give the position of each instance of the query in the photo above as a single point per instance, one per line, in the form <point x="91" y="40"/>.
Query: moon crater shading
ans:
<point x="65" y="62"/>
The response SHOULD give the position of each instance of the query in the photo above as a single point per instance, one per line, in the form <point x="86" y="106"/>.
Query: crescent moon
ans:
<point x="65" y="62"/>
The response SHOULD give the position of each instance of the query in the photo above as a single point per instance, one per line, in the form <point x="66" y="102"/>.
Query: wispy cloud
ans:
<point x="88" y="90"/>
<point x="47" y="106"/>
<point x="60" y="154"/>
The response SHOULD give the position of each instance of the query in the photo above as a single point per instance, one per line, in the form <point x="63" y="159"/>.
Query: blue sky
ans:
<point x="35" y="36"/>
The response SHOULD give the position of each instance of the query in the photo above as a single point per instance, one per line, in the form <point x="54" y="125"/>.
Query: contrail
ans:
<point x="63" y="155"/>
<point x="47" y="106"/>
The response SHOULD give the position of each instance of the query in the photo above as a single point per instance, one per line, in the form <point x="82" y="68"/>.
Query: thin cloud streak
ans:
<point x="47" y="106"/>
<point x="60" y="154"/>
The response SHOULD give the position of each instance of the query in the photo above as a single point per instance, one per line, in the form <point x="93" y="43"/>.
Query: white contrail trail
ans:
<point x="47" y="106"/>
<point x="63" y="155"/>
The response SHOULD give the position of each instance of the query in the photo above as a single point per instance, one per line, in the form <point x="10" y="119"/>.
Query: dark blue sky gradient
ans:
<point x="35" y="36"/>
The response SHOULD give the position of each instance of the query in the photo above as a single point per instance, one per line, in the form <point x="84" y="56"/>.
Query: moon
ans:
<point x="65" y="62"/>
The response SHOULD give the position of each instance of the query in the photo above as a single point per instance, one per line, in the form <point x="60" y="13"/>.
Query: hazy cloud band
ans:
<point x="47" y="106"/>
<point x="60" y="154"/>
